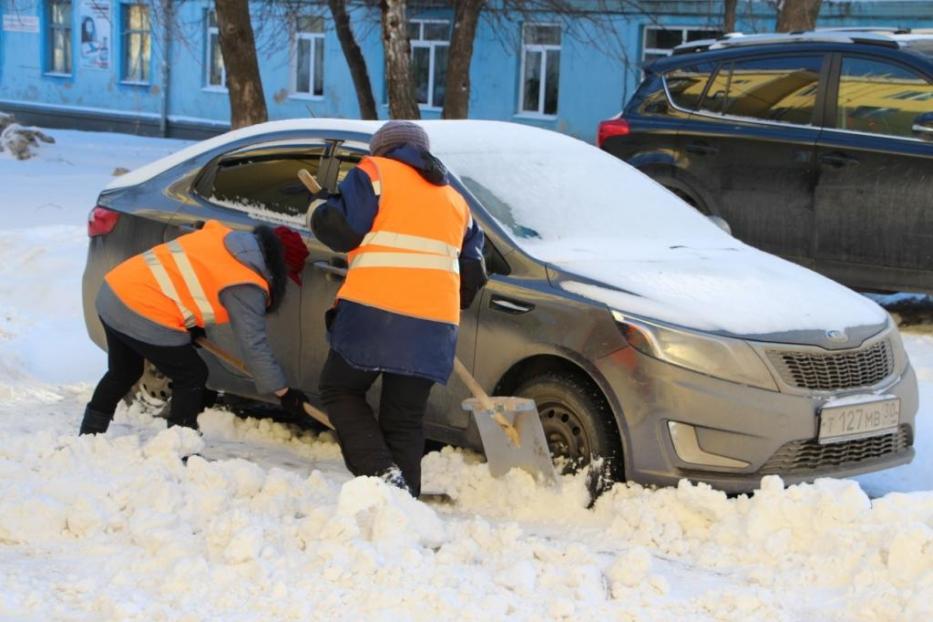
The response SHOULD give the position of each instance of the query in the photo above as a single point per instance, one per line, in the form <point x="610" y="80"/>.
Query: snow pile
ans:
<point x="19" y="140"/>
<point x="127" y="531"/>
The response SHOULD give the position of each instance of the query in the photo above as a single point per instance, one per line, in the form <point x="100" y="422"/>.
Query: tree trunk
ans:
<point x="399" y="83"/>
<point x="795" y="15"/>
<point x="238" y="47"/>
<point x="460" y="55"/>
<point x="351" y="51"/>
<point x="728" y="17"/>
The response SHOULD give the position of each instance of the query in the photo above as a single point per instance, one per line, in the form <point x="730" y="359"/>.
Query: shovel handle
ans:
<point x="309" y="181"/>
<point x="467" y="378"/>
<point x="486" y="402"/>
<point x="220" y="353"/>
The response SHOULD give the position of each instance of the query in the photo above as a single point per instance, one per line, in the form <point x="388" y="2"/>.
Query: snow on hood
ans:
<point x="733" y="289"/>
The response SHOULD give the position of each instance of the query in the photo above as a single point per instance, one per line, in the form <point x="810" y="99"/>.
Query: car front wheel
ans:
<point x="577" y="423"/>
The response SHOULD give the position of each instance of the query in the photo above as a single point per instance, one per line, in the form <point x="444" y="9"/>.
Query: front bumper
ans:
<point x="768" y="432"/>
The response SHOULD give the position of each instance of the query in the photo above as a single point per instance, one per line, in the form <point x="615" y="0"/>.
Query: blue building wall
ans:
<point x="599" y="64"/>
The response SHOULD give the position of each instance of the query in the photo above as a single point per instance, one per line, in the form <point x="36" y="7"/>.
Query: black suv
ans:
<point x="815" y="146"/>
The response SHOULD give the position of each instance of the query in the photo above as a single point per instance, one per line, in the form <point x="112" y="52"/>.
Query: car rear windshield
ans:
<point x="549" y="189"/>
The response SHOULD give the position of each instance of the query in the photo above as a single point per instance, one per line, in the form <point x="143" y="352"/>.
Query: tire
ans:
<point x="577" y="424"/>
<point x="153" y="392"/>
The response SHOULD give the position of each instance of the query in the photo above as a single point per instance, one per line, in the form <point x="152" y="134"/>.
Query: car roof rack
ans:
<point x="881" y="36"/>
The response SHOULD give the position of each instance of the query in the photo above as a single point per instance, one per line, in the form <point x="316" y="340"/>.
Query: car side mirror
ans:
<point x="923" y="126"/>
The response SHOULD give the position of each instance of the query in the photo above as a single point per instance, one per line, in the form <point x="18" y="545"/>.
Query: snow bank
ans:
<point x="126" y="531"/>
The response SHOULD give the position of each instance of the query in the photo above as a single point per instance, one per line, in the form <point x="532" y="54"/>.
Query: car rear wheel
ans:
<point x="153" y="392"/>
<point x="577" y="423"/>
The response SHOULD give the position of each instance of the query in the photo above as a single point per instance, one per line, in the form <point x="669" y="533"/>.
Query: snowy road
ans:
<point x="117" y="528"/>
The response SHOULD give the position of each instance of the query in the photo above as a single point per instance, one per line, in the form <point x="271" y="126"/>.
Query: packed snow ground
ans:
<point x="274" y="528"/>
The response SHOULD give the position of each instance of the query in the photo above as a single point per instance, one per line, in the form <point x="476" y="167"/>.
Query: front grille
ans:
<point x="809" y="455"/>
<point x="832" y="371"/>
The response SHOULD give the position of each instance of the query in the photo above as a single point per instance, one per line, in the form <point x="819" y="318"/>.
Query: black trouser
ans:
<point x="181" y="364"/>
<point x="370" y="447"/>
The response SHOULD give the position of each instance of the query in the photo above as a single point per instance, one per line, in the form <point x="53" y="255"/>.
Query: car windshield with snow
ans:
<point x="647" y="335"/>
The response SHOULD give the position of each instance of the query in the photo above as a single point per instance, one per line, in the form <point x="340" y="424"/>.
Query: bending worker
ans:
<point x="415" y="259"/>
<point x="153" y="304"/>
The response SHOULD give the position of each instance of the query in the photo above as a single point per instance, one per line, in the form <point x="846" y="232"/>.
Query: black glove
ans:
<point x="293" y="402"/>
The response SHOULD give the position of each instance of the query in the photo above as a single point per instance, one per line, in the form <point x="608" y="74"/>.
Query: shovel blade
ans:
<point x="531" y="455"/>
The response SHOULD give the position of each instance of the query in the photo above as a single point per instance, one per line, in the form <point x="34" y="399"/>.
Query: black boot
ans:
<point x="94" y="422"/>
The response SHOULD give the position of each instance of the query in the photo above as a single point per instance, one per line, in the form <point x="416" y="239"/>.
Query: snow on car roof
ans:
<point x="447" y="135"/>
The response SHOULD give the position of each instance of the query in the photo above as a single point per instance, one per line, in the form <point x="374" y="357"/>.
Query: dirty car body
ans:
<point x="644" y="332"/>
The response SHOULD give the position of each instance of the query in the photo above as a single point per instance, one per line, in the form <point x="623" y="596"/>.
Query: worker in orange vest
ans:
<point x="415" y="260"/>
<point x="152" y="304"/>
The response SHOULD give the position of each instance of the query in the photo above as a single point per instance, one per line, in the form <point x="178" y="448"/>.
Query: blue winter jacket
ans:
<point x="377" y="340"/>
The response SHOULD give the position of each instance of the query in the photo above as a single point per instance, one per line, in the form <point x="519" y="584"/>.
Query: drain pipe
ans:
<point x="167" y="23"/>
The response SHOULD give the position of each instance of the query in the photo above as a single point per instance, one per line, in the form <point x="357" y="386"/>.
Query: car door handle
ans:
<point x="509" y="306"/>
<point x="701" y="149"/>
<point x="836" y="159"/>
<point x="335" y="267"/>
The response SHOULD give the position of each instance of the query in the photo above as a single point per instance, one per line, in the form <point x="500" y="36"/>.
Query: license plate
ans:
<point x="853" y="418"/>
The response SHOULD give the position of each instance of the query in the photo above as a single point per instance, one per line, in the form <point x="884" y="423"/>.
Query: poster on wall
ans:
<point x="15" y="22"/>
<point x="94" y="28"/>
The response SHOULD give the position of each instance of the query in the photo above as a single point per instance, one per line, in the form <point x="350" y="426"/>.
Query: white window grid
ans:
<point x="60" y="60"/>
<point x="143" y="34"/>
<point x="543" y="49"/>
<point x="432" y="45"/>
<point x="212" y="38"/>
<point x="648" y="52"/>
<point x="312" y="36"/>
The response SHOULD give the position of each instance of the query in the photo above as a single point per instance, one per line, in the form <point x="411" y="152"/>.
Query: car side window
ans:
<point x="781" y="89"/>
<point x="264" y="179"/>
<point x="881" y="98"/>
<point x="686" y="84"/>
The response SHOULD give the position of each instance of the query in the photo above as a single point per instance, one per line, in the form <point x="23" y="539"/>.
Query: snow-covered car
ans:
<point x="646" y="334"/>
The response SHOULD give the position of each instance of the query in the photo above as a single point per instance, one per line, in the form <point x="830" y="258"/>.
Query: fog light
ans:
<point x="687" y="446"/>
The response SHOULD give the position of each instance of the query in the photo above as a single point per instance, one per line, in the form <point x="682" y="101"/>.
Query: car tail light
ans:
<point x="611" y="127"/>
<point x="101" y="221"/>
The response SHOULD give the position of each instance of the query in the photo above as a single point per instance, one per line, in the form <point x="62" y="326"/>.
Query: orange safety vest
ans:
<point x="409" y="261"/>
<point x="178" y="284"/>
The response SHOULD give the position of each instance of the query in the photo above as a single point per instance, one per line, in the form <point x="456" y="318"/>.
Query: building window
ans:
<point x="308" y="53"/>
<point x="430" y="40"/>
<point x="137" y="42"/>
<point x="59" y="37"/>
<point x="540" y="69"/>
<point x="216" y="74"/>
<point x="660" y="42"/>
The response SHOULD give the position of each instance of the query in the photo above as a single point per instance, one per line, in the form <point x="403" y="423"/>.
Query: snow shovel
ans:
<point x="510" y="429"/>
<point x="318" y="415"/>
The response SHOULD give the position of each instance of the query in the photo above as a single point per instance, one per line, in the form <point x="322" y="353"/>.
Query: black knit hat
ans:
<point x="395" y="133"/>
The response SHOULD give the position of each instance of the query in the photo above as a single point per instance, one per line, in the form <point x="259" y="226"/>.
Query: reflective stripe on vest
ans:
<point x="191" y="282"/>
<point x="168" y="288"/>
<point x="407" y="242"/>
<point x="405" y="260"/>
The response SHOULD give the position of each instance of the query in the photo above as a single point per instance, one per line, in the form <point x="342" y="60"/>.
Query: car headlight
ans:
<point x="720" y="357"/>
<point x="897" y="347"/>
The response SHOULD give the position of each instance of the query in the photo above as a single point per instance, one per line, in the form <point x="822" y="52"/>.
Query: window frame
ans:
<point x="299" y="35"/>
<point x="831" y="107"/>
<point x="543" y="49"/>
<point x="48" y="47"/>
<point x="208" y="56"/>
<point x="819" y="105"/>
<point x="431" y="45"/>
<point x="645" y="50"/>
<point x="125" y="31"/>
